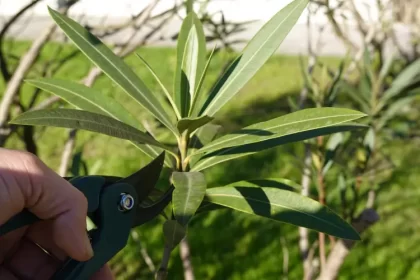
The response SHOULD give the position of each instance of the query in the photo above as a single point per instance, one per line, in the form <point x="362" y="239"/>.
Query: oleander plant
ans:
<point x="188" y="112"/>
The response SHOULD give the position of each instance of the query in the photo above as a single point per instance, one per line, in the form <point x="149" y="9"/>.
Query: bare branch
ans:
<point x="304" y="232"/>
<point x="67" y="153"/>
<point x="285" y="258"/>
<point x="185" y="254"/>
<point x="162" y="273"/>
<point x="143" y="251"/>
<point x="15" y="82"/>
<point x="3" y="63"/>
<point x="342" y="248"/>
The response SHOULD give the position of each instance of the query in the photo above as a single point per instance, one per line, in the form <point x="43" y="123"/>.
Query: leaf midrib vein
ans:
<point x="122" y="74"/>
<point x="137" y="133"/>
<point x="248" y="62"/>
<point x="274" y="204"/>
<point x="199" y="164"/>
<point x="274" y="127"/>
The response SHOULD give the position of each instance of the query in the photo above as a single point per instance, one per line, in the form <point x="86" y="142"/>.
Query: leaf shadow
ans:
<point x="258" y="195"/>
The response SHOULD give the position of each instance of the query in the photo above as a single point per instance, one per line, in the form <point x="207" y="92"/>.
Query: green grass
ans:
<point x="228" y="244"/>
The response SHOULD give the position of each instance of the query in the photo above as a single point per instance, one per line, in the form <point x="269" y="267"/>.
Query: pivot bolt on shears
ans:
<point x="115" y="205"/>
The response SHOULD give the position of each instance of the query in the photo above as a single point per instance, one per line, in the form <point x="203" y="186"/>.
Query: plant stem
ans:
<point x="321" y="198"/>
<point x="143" y="251"/>
<point x="163" y="269"/>
<point x="185" y="255"/>
<point x="182" y="166"/>
<point x="183" y="149"/>
<point x="304" y="232"/>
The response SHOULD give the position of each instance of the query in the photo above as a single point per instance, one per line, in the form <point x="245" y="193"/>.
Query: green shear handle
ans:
<point x="114" y="205"/>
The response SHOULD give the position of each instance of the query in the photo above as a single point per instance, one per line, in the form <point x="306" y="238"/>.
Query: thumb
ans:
<point x="26" y="182"/>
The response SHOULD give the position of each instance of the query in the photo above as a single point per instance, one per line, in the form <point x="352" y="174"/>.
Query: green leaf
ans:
<point x="199" y="96"/>
<point x="189" y="5"/>
<point x="386" y="68"/>
<point x="369" y="141"/>
<point x="283" y="205"/>
<point x="208" y="207"/>
<point x="393" y="110"/>
<point x="355" y="95"/>
<point x="192" y="123"/>
<point x="153" y="152"/>
<point x="70" y="118"/>
<point x="335" y="85"/>
<point x="287" y="125"/>
<point x="333" y="142"/>
<point x="403" y="80"/>
<point x="173" y="233"/>
<point x="191" y="59"/>
<point x="227" y="154"/>
<point x="91" y="100"/>
<point x="167" y="94"/>
<point x="202" y="137"/>
<point x="365" y="86"/>
<point x="190" y="188"/>
<point x="285" y="184"/>
<point x="86" y="98"/>
<point x="256" y="53"/>
<point x="307" y="78"/>
<point x="113" y="66"/>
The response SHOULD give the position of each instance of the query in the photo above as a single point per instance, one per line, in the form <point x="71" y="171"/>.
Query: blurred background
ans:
<point x="360" y="54"/>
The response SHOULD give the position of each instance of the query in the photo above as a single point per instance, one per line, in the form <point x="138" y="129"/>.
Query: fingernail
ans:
<point x="88" y="247"/>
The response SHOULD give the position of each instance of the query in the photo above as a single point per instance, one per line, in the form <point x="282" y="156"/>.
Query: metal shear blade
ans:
<point x="144" y="182"/>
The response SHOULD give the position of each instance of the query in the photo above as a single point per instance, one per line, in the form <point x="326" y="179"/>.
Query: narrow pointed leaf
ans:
<point x="333" y="143"/>
<point x="355" y="95"/>
<point x="85" y="98"/>
<point x="191" y="59"/>
<point x="167" y="94"/>
<point x="153" y="151"/>
<point x="202" y="137"/>
<point x="386" y="68"/>
<point x="192" y="123"/>
<point x="113" y="66"/>
<point x="199" y="96"/>
<point x="173" y="233"/>
<point x="394" y="109"/>
<point x="256" y="53"/>
<point x="369" y="141"/>
<point x="190" y="6"/>
<point x="282" y="205"/>
<point x="190" y="188"/>
<point x="403" y="80"/>
<point x="91" y="100"/>
<point x="231" y="153"/>
<point x="207" y="206"/>
<point x="70" y="118"/>
<point x="287" y="125"/>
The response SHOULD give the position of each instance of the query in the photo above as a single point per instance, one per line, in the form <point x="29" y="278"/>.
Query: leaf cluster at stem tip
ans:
<point x="189" y="118"/>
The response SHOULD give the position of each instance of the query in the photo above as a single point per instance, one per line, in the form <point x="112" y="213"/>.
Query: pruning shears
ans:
<point x="115" y="205"/>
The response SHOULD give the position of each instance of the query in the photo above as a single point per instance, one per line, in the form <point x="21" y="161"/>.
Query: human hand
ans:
<point x="26" y="182"/>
